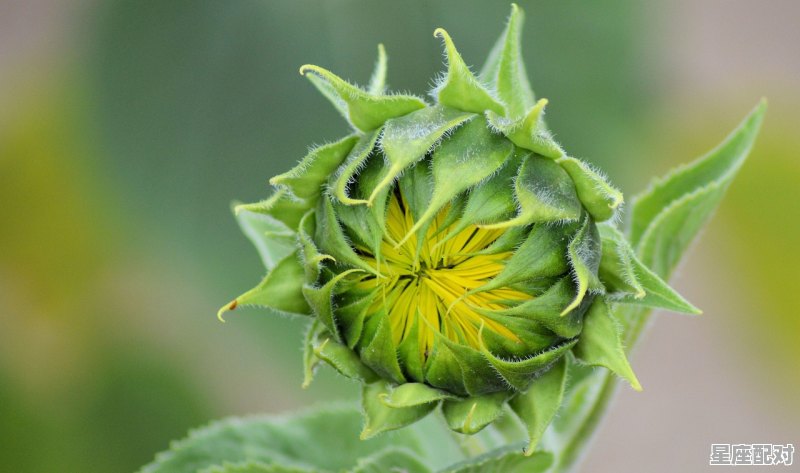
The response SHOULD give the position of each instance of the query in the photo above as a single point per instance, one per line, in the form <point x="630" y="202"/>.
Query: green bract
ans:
<point x="450" y="254"/>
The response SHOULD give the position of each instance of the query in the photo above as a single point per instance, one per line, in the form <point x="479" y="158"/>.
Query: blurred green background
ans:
<point x="127" y="128"/>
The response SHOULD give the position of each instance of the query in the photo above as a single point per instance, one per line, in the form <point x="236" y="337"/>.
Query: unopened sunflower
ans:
<point x="450" y="253"/>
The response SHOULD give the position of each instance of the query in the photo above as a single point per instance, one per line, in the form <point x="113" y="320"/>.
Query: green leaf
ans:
<point x="594" y="191"/>
<point x="504" y="460"/>
<point x="460" y="89"/>
<point x="306" y="179"/>
<point x="323" y="439"/>
<point x="408" y="139"/>
<point x="668" y="216"/>
<point x="254" y="467"/>
<point x="505" y="70"/>
<point x="544" y="193"/>
<point x="469" y="156"/>
<point x="377" y="82"/>
<point x="584" y="252"/>
<point x="631" y="282"/>
<point x="380" y="417"/>
<point x="471" y="415"/>
<point x="280" y="290"/>
<point x="391" y="460"/>
<point x="528" y="131"/>
<point x="600" y="343"/>
<point x="537" y="406"/>
<point x="364" y="111"/>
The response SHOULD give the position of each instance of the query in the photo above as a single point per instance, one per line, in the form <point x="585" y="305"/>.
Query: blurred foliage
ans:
<point x="116" y="174"/>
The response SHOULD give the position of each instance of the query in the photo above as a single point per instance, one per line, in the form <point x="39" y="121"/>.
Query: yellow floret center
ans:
<point x="430" y="283"/>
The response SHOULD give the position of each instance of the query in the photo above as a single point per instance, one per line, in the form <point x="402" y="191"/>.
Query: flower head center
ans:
<point x="431" y="284"/>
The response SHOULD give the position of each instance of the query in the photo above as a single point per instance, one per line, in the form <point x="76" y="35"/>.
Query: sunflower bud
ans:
<point x="450" y="254"/>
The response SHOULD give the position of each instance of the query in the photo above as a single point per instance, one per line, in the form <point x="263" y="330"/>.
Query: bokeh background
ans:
<point x="127" y="128"/>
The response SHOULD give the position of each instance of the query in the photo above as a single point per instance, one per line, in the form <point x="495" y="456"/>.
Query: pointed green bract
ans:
<point x="519" y="373"/>
<point x="599" y="198"/>
<point x="273" y="240"/>
<point x="414" y="394"/>
<point x="528" y="131"/>
<point x="319" y="299"/>
<point x="471" y="415"/>
<point x="280" y="290"/>
<point x="364" y="111"/>
<point x="280" y="206"/>
<point x="537" y="406"/>
<point x="600" y="344"/>
<point x="542" y="254"/>
<point x="381" y="418"/>
<point x="377" y="83"/>
<point x="547" y="308"/>
<point x="584" y="257"/>
<point x="408" y="139"/>
<point x="306" y="179"/>
<point x="544" y="193"/>
<point x="472" y="155"/>
<point x="460" y="88"/>
<point x="310" y="360"/>
<point x="491" y="201"/>
<point x="630" y="281"/>
<point x="354" y="162"/>
<point x="380" y="354"/>
<point x="505" y="69"/>
<point x="344" y="360"/>
<point x="335" y="242"/>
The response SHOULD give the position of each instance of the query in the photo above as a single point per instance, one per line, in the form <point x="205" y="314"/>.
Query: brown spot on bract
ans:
<point x="233" y="304"/>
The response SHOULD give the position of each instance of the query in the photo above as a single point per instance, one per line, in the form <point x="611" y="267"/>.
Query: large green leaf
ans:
<point x="504" y="460"/>
<point x="323" y="439"/>
<point x="668" y="216"/>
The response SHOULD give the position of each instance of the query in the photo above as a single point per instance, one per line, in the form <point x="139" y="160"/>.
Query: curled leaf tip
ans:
<point x="227" y="308"/>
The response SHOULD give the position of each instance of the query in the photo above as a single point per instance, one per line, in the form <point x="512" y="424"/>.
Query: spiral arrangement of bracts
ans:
<point x="450" y="254"/>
